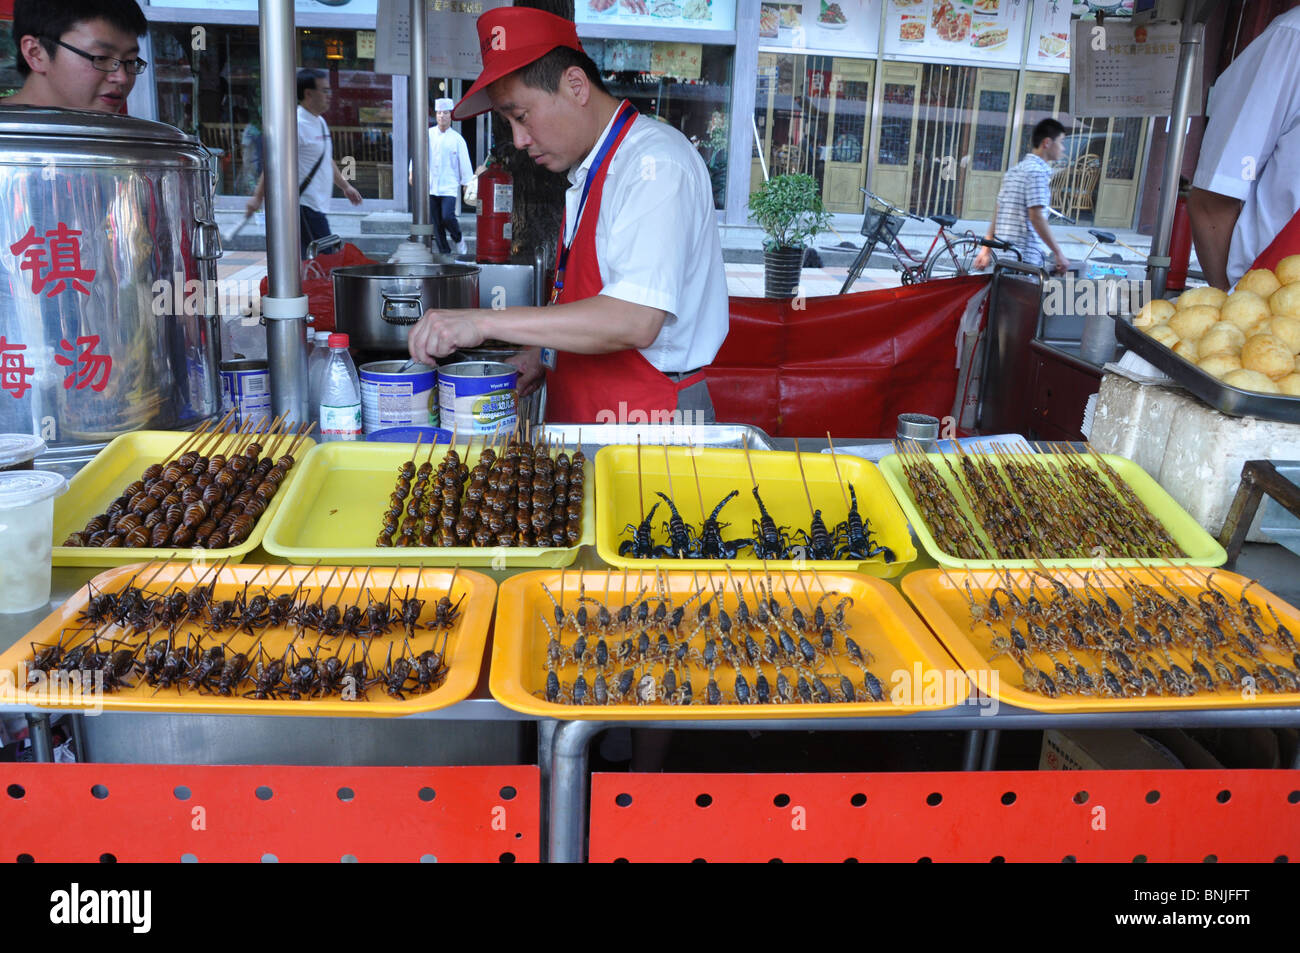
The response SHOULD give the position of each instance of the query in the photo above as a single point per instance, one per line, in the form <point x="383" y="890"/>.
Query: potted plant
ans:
<point x="789" y="209"/>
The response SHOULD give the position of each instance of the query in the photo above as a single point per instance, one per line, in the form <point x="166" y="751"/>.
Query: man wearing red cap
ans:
<point x="640" y="299"/>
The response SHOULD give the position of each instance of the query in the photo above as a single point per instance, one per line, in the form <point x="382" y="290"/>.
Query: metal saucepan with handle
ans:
<point x="375" y="305"/>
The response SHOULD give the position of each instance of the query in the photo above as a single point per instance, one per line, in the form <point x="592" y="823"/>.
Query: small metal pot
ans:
<point x="375" y="305"/>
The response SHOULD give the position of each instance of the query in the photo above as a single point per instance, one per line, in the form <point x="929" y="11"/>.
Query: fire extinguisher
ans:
<point x="1180" y="242"/>
<point x="496" y="193"/>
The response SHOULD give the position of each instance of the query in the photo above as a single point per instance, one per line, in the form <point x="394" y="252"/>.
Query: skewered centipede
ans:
<point x="1029" y="506"/>
<point x="528" y="495"/>
<point x="1124" y="634"/>
<point x="194" y="500"/>
<point x="181" y="636"/>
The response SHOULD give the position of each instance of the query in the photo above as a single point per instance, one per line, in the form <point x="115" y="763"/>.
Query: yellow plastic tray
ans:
<point x="907" y="657"/>
<point x="1202" y="548"/>
<point x="336" y="509"/>
<point x="464" y="650"/>
<point x="722" y="471"/>
<point x="946" y="610"/>
<point x="120" y="464"/>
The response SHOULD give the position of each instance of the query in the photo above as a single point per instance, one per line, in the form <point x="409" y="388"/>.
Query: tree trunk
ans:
<point x="539" y="193"/>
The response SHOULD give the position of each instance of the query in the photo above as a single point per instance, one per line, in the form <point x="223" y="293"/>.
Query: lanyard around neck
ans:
<point x="626" y="113"/>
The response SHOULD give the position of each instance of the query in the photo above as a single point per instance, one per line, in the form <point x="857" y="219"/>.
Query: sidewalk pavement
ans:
<point x="378" y="233"/>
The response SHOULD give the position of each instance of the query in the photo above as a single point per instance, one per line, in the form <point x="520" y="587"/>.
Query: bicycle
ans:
<point x="947" y="256"/>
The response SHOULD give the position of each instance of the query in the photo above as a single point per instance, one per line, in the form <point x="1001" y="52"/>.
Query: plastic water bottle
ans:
<point x="340" y="394"/>
<point x="316" y="361"/>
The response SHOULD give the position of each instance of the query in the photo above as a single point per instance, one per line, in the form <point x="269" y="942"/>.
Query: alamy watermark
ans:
<point x="81" y="689"/>
<point x="1095" y="296"/>
<point x="227" y="297"/>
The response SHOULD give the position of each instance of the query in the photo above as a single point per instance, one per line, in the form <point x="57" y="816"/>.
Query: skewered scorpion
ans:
<point x="853" y="539"/>
<point x="710" y="544"/>
<point x="770" y="541"/>
<point x="641" y="544"/>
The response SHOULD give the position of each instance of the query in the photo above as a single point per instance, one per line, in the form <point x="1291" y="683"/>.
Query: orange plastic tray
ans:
<point x="907" y="657"/>
<point x="947" y="611"/>
<point x="464" y="649"/>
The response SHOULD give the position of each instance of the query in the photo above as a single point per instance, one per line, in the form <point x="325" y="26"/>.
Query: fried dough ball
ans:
<point x="1268" y="355"/>
<point x="1261" y="281"/>
<point x="1245" y="309"/>
<point x="1196" y="297"/>
<point x="1251" y="380"/>
<point x="1290" y="385"/>
<point x="1219" y="365"/>
<point x="1164" y="334"/>
<point x="1224" y="336"/>
<point x="1288" y="269"/>
<point x="1190" y="323"/>
<point x="1156" y="311"/>
<point x="1286" y="329"/>
<point x="1286" y="300"/>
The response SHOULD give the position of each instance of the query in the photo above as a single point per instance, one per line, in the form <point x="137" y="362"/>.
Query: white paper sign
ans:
<point x="988" y="32"/>
<point x="820" y="26"/>
<point x="1127" y="70"/>
<point x="452" y="40"/>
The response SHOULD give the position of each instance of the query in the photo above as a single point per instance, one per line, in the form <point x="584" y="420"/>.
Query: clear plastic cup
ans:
<point x="18" y="450"/>
<point x="27" y="537"/>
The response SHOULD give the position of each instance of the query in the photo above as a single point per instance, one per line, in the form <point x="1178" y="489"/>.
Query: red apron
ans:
<point x="585" y="387"/>
<point x="1286" y="243"/>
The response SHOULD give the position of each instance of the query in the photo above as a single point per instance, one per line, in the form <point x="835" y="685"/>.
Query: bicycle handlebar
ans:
<point x="890" y="206"/>
<point x="996" y="243"/>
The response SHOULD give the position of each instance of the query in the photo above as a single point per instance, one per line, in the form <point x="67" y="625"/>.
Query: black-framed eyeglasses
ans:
<point x="107" y="64"/>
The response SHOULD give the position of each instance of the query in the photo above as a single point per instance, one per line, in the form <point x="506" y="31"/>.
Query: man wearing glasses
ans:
<point x="77" y="54"/>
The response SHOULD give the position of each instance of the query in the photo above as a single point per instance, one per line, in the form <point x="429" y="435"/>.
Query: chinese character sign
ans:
<point x="13" y="369"/>
<point x="88" y="368"/>
<point x="54" y="260"/>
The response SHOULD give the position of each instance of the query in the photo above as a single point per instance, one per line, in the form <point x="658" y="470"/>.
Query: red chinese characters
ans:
<point x="54" y="260"/>
<point x="13" y="369"/>
<point x="89" y="369"/>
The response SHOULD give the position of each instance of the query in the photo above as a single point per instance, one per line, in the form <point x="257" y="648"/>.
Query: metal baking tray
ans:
<point x="656" y="435"/>
<point x="1229" y="400"/>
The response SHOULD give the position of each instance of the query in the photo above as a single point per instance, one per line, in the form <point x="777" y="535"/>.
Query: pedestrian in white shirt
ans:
<point x="1020" y="212"/>
<point x="449" y="170"/>
<point x="318" y="173"/>
<point x="1245" y="197"/>
<point x="640" y="297"/>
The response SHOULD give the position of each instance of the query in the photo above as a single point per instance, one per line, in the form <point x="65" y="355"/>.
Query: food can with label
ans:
<point x="394" y="394"/>
<point x="478" y="397"/>
<point x="246" y="386"/>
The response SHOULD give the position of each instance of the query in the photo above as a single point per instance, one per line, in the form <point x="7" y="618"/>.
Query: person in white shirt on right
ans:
<point x="449" y="170"/>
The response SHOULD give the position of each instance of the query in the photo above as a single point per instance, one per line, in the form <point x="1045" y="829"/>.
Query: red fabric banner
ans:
<point x="849" y="364"/>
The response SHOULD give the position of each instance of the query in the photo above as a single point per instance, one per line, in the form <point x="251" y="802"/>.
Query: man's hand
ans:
<point x="983" y="258"/>
<point x="253" y="205"/>
<point x="1062" y="264"/>
<point x="439" y="333"/>
<point x="352" y="194"/>
<point x="531" y="372"/>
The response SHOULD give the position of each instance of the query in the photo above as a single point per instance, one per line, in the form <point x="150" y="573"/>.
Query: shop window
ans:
<point x="214" y="92"/>
<point x="10" y="80"/>
<point x="687" y="85"/>
<point x="896" y="124"/>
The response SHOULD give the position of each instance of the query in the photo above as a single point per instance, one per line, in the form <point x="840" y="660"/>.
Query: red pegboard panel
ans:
<point x="242" y="813"/>
<point x="1038" y="816"/>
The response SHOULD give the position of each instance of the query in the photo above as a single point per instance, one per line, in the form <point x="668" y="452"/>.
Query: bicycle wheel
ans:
<point x="950" y="261"/>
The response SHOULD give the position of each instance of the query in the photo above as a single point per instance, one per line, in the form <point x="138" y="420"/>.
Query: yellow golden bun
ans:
<point x="1290" y="385"/>
<point x="1250" y="380"/>
<point x="1217" y="365"/>
<point x="1286" y="300"/>
<point x="1156" y="311"/>
<point x="1187" y="350"/>
<point x="1200" y="296"/>
<point x="1261" y="281"/>
<point x="1268" y="355"/>
<point x="1288" y="269"/>
<point x="1190" y="323"/>
<point x="1224" y="336"/>
<point x="1164" y="334"/>
<point x="1286" y="329"/>
<point x="1245" y="309"/>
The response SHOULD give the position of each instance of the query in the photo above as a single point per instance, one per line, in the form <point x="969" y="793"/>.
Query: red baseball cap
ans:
<point x="510" y="38"/>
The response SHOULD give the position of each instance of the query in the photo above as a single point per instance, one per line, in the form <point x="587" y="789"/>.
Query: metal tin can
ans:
<point x="393" y="397"/>
<point x="246" y="386"/>
<point x="478" y="397"/>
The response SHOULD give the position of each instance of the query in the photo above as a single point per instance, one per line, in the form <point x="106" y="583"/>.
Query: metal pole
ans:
<point x="971" y="751"/>
<point x="989" y="758"/>
<point x="545" y="754"/>
<point x="568" y="808"/>
<point x="418" y="121"/>
<point x="78" y="722"/>
<point x="1192" y="37"/>
<point x="285" y="307"/>
<point x="38" y="728"/>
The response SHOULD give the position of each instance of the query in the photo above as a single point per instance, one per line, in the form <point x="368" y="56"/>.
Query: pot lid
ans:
<point x="25" y="487"/>
<point x="19" y="448"/>
<point x="30" y="121"/>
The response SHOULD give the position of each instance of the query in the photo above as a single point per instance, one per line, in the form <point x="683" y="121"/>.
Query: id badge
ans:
<point x="548" y="358"/>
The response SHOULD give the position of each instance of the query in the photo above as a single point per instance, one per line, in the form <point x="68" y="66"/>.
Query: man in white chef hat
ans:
<point x="449" y="169"/>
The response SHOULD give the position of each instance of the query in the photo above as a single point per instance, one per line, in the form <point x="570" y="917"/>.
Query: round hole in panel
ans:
<point x="1080" y="797"/>
<point x="998" y="859"/>
<point x="507" y="858"/>
<point x="858" y="799"/>
<point x="98" y="792"/>
<point x="428" y="859"/>
<point x="776" y="860"/>
<point x="1211" y="859"/>
<point x="346" y="794"/>
<point x="25" y="859"/>
<point x="1140" y="859"/>
<point x="1293" y="797"/>
<point x="348" y="859"/>
<point x="1153" y="796"/>
<point x="621" y="860"/>
<point x="1223" y="797"/>
<point x="508" y="793"/>
<point x="699" y="860"/>
<point x="623" y="800"/>
<point x="934" y="799"/>
<point x="181" y="792"/>
<point x="270" y="859"/>
<point x="1009" y="798"/>
<point x="850" y="860"/>
<point x="1281" y="859"/>
<point x="263" y="793"/>
<point x="703" y="800"/>
<point x="924" y="860"/>
<point x="1069" y="859"/>
<point x="427" y="794"/>
<point x="781" y="800"/>
<point x="16" y="791"/>
<point x="107" y="859"/>
<point x="189" y="859"/>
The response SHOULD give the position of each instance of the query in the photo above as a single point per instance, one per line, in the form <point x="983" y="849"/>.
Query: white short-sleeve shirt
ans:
<point x="313" y="140"/>
<point x="449" y="164"/>
<point x="1251" y="148"/>
<point x="657" y="240"/>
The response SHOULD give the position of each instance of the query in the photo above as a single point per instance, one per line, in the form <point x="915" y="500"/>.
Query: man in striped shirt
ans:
<point x="1024" y="198"/>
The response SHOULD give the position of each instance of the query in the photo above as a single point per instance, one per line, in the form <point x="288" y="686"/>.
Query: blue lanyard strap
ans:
<point x="626" y="113"/>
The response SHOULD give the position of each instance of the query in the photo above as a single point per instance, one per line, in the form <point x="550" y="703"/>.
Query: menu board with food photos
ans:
<point x="821" y="26"/>
<point x="682" y="14"/>
<point x="1049" y="37"/>
<point x="983" y="31"/>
